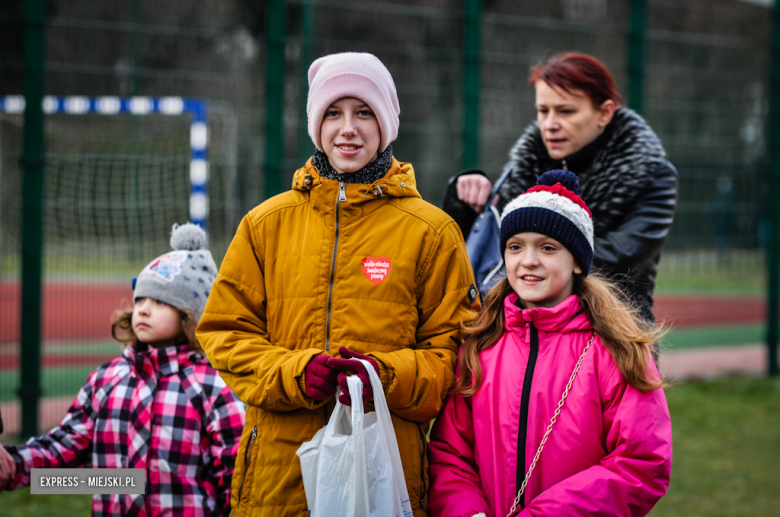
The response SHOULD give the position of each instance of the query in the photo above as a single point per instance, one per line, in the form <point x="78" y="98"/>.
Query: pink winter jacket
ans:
<point x="610" y="452"/>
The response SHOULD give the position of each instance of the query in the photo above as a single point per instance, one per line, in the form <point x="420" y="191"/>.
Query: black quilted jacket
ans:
<point x="626" y="181"/>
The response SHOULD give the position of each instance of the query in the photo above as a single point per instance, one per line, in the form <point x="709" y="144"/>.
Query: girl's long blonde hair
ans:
<point x="122" y="329"/>
<point x="626" y="335"/>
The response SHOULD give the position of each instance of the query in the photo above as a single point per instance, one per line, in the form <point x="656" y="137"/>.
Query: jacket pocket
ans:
<point x="247" y="457"/>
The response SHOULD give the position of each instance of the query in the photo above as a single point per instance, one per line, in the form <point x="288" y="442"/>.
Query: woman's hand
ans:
<point x="7" y="468"/>
<point x="474" y="190"/>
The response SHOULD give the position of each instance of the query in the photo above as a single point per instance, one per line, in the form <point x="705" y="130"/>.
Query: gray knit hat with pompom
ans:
<point x="183" y="277"/>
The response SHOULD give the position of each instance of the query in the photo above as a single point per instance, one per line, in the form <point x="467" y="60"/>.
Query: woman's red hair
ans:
<point x="574" y="72"/>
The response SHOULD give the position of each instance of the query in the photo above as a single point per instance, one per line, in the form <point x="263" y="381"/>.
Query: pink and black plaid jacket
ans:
<point x="165" y="410"/>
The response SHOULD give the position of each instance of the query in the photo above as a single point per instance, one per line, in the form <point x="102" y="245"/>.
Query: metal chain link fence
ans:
<point x="115" y="185"/>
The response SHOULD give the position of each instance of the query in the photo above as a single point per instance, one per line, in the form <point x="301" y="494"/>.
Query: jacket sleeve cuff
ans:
<point x="302" y="385"/>
<point x="298" y="376"/>
<point x="385" y="374"/>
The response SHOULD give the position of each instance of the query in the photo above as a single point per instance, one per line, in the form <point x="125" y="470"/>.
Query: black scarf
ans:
<point x="368" y="174"/>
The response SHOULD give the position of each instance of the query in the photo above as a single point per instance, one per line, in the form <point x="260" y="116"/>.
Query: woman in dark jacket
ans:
<point x="624" y="175"/>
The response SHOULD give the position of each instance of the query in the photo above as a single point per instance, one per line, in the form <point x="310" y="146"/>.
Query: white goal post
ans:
<point x="199" y="138"/>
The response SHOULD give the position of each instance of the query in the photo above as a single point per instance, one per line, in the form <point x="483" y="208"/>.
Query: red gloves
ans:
<point x="320" y="378"/>
<point x="323" y="372"/>
<point x="342" y="366"/>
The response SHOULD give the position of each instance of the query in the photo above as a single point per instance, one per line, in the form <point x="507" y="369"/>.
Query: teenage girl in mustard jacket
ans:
<point x="350" y="262"/>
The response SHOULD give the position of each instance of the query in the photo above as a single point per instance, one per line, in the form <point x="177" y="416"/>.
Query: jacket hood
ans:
<point x="568" y="316"/>
<point x="398" y="182"/>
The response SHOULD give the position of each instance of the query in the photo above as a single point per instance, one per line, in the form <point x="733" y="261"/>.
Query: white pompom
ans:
<point x="188" y="236"/>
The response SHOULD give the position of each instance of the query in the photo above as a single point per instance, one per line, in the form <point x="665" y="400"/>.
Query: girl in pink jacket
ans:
<point x="558" y="408"/>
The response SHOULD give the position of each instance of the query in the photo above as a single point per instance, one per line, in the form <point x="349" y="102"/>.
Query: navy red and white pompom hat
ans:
<point x="553" y="208"/>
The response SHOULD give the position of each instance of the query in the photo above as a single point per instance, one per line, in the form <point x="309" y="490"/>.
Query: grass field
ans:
<point x="726" y="450"/>
<point x="701" y="337"/>
<point x="707" y="272"/>
<point x="64" y="380"/>
<point x="56" y="383"/>
<point x="98" y="262"/>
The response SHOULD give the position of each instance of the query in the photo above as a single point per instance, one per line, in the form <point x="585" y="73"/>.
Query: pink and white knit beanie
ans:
<point x="358" y="75"/>
<point x="553" y="208"/>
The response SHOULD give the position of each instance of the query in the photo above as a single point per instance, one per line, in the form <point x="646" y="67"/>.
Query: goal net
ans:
<point x="115" y="182"/>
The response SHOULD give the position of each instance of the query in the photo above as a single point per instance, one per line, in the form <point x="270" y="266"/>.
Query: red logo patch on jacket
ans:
<point x="376" y="269"/>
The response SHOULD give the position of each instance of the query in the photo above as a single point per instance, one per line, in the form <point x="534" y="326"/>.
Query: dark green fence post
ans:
<point x="636" y="55"/>
<point x="307" y="56"/>
<point x="471" y="83"/>
<point x="773" y="252"/>
<point x="32" y="213"/>
<point x="137" y="15"/>
<point x="137" y="129"/>
<point x="274" y="96"/>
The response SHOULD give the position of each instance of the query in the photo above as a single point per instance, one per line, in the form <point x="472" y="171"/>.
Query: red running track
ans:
<point x="701" y="311"/>
<point x="70" y="310"/>
<point x="50" y="361"/>
<point x="83" y="311"/>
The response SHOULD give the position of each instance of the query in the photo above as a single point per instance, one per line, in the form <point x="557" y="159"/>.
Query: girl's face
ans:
<point x="156" y="323"/>
<point x="569" y="121"/>
<point x="540" y="269"/>
<point x="350" y="135"/>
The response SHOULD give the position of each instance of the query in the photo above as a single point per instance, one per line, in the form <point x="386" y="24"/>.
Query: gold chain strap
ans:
<point x="549" y="427"/>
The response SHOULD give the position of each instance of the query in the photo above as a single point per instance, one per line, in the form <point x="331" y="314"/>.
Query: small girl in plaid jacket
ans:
<point x="160" y="407"/>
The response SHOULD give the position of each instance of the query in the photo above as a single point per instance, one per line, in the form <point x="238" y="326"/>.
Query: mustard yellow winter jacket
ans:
<point x="328" y="265"/>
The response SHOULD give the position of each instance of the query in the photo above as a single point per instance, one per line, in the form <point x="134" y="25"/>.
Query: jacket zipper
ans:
<point x="247" y="452"/>
<point x="522" y="435"/>
<point x="422" y="469"/>
<point x="342" y="197"/>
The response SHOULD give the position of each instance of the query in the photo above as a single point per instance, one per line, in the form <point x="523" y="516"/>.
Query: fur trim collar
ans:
<point x="612" y="171"/>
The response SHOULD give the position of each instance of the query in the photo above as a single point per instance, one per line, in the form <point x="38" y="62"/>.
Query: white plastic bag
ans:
<point x="352" y="466"/>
